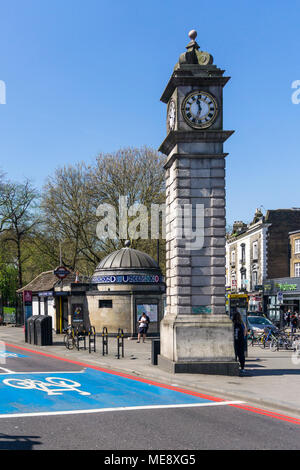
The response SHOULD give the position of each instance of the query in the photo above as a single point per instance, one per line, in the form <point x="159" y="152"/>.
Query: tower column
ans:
<point x="196" y="333"/>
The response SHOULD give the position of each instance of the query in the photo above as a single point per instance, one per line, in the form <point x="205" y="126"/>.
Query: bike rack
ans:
<point x="120" y="342"/>
<point x="92" y="338"/>
<point x="80" y="335"/>
<point x="104" y="341"/>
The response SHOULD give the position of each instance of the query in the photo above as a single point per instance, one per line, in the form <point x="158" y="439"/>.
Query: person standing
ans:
<point x="294" y="323"/>
<point x="239" y="335"/>
<point x="144" y="321"/>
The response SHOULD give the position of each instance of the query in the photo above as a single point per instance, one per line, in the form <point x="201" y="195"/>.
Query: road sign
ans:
<point x="279" y="297"/>
<point x="61" y="272"/>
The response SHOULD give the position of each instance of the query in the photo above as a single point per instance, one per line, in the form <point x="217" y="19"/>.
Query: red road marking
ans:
<point x="270" y="414"/>
<point x="252" y="409"/>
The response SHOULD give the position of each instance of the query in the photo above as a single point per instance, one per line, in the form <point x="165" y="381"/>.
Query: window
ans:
<point x="297" y="245"/>
<point x="255" y="250"/>
<point x="105" y="303"/>
<point x="243" y="253"/>
<point x="243" y="278"/>
<point x="254" y="279"/>
<point x="233" y="257"/>
<point x="297" y="269"/>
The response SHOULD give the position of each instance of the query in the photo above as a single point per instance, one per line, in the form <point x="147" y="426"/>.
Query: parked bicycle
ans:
<point x="262" y="339"/>
<point x="69" y="338"/>
<point x="282" y="341"/>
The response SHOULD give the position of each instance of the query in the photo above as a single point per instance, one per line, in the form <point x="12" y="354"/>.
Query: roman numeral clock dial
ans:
<point x="199" y="109"/>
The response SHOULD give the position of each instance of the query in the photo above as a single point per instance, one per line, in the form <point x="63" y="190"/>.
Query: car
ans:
<point x="257" y="324"/>
<point x="252" y="314"/>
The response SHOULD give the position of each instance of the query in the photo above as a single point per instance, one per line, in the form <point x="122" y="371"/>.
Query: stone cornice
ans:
<point x="187" y="78"/>
<point x="176" y="137"/>
<point x="169" y="161"/>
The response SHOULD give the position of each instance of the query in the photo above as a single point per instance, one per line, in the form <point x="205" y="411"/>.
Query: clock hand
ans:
<point x="200" y="109"/>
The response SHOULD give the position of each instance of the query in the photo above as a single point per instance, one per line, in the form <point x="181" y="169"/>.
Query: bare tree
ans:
<point x="18" y="216"/>
<point x="68" y="215"/>
<point x="134" y="173"/>
<point x="71" y="198"/>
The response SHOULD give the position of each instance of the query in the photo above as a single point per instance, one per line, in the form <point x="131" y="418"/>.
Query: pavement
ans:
<point x="272" y="381"/>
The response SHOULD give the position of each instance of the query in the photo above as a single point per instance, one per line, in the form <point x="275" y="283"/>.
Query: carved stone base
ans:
<point x="201" y="344"/>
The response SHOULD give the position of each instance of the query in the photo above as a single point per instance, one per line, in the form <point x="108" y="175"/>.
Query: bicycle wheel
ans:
<point x="26" y="384"/>
<point x="274" y="345"/>
<point x="69" y="341"/>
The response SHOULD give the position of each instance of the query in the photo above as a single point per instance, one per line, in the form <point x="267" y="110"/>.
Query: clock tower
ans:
<point x="196" y="334"/>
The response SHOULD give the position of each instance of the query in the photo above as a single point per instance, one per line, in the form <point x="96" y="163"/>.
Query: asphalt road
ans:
<point x="52" y="404"/>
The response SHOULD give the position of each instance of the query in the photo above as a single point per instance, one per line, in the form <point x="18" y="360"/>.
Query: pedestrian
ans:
<point x="288" y="319"/>
<point x="294" y="323"/>
<point x="239" y="335"/>
<point x="144" y="321"/>
<point x="285" y="319"/>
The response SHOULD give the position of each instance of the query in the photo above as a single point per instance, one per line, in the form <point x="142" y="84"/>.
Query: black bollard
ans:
<point x="120" y="342"/>
<point x="104" y="341"/>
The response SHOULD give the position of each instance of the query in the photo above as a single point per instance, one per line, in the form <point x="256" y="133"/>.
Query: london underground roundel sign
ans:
<point x="61" y="272"/>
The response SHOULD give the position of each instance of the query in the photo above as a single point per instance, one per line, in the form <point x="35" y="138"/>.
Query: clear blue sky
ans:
<point x="85" y="77"/>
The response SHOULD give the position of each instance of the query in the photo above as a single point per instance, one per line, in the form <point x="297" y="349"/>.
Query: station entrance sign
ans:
<point x="61" y="272"/>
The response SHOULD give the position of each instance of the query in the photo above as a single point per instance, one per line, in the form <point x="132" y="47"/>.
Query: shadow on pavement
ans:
<point x="58" y="343"/>
<point x="268" y="372"/>
<point x="18" y="442"/>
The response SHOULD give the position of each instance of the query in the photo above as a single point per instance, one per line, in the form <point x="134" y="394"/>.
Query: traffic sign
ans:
<point x="279" y="297"/>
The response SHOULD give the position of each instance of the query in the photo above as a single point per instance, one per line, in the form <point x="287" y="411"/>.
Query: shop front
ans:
<point x="237" y="303"/>
<point x="255" y="304"/>
<point x="281" y="295"/>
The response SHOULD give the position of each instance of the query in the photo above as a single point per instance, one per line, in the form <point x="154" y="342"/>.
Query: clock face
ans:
<point x="171" y="116"/>
<point x="199" y="109"/>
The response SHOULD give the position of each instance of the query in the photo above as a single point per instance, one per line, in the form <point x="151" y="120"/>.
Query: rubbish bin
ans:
<point x="43" y="327"/>
<point x="155" y="351"/>
<point x="30" y="331"/>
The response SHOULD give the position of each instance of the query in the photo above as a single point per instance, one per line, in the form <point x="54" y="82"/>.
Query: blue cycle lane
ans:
<point x="86" y="390"/>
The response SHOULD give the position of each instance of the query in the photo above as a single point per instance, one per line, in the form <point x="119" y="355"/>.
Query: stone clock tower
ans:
<point x="196" y="334"/>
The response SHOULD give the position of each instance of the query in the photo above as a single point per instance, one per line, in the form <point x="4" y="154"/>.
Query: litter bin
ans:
<point x="155" y="351"/>
<point x="43" y="327"/>
<point x="30" y="331"/>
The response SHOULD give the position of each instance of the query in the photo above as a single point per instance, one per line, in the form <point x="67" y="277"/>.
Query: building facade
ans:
<point x="281" y="295"/>
<point x="294" y="241"/>
<point x="259" y="251"/>
<point x="125" y="284"/>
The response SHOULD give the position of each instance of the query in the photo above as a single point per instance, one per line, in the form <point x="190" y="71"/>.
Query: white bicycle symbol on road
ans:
<point x="62" y="385"/>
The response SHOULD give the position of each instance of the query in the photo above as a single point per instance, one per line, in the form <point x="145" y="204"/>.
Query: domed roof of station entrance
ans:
<point x="129" y="259"/>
